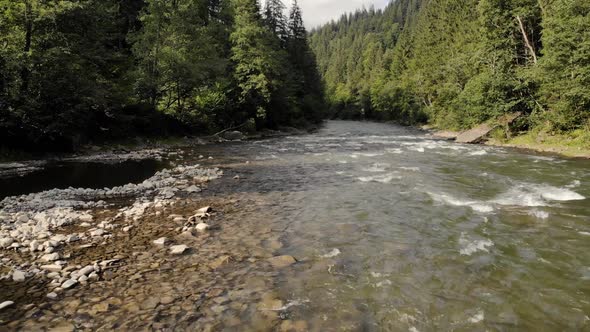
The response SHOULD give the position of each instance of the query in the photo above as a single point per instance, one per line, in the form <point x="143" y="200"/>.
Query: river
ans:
<point x="395" y="230"/>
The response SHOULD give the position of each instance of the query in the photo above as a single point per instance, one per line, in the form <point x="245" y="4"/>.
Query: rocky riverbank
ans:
<point x="161" y="254"/>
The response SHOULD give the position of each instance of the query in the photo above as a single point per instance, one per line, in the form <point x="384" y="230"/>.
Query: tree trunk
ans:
<point x="526" y="39"/>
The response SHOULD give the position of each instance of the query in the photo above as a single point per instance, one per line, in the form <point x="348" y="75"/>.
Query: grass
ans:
<point x="572" y="144"/>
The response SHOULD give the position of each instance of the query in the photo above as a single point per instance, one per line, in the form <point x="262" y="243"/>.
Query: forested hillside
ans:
<point x="457" y="63"/>
<point x="78" y="70"/>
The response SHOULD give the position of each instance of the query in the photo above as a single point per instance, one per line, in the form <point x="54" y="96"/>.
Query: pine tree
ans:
<point x="275" y="20"/>
<point x="305" y="79"/>
<point x="256" y="55"/>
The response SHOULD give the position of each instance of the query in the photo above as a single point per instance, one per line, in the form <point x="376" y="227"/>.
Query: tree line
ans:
<point x="73" y="71"/>
<point x="458" y="63"/>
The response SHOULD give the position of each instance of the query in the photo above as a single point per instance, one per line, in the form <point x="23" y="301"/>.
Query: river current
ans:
<point x="395" y="230"/>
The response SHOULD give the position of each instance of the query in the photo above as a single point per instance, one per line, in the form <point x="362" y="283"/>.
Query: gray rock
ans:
<point x="52" y="296"/>
<point x="18" y="276"/>
<point x="69" y="283"/>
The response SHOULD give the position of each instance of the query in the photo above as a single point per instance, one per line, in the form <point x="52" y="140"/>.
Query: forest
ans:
<point x="78" y="71"/>
<point x="458" y="63"/>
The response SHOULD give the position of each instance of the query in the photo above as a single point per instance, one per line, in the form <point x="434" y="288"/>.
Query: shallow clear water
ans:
<point x="398" y="231"/>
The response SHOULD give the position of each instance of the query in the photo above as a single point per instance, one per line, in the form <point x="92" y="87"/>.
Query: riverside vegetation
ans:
<point x="78" y="71"/>
<point x="458" y="63"/>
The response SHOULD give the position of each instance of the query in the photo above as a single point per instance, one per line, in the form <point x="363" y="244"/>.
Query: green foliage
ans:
<point x="75" y="70"/>
<point x="458" y="63"/>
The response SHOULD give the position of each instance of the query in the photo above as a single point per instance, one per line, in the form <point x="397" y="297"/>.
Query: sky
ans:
<point x="317" y="12"/>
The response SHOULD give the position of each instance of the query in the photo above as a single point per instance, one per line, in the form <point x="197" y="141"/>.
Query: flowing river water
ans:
<point x="395" y="230"/>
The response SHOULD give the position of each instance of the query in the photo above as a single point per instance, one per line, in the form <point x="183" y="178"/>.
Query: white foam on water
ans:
<point x="584" y="233"/>
<point x="539" y="214"/>
<point x="536" y="195"/>
<point x="335" y="252"/>
<point x="414" y="169"/>
<point x="342" y="162"/>
<point x="396" y="151"/>
<point x="375" y="168"/>
<point x="386" y="178"/>
<point x="574" y="184"/>
<point x="469" y="247"/>
<point x="474" y="205"/>
<point x="371" y="154"/>
<point x="477" y="317"/>
<point x="478" y="153"/>
<point x="413" y="329"/>
<point x="418" y="149"/>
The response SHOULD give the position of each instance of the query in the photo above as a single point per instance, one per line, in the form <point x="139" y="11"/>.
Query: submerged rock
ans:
<point x="282" y="261"/>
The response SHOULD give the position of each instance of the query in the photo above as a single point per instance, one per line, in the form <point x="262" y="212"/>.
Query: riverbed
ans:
<point x="391" y="228"/>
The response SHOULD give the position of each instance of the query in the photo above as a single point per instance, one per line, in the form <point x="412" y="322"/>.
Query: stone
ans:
<point x="86" y="271"/>
<point x="52" y="296"/>
<point x="98" y="232"/>
<point x="6" y="242"/>
<point x="34" y="245"/>
<point x="18" y="276"/>
<point x="280" y="262"/>
<point x="6" y="304"/>
<point x="233" y="136"/>
<point x="178" y="249"/>
<point x="50" y="257"/>
<point x="69" y="283"/>
<point x="93" y="276"/>
<point x="193" y="189"/>
<point x="202" y="227"/>
<point x="219" y="262"/>
<point x="161" y="241"/>
<point x="150" y="303"/>
<point x="51" y="268"/>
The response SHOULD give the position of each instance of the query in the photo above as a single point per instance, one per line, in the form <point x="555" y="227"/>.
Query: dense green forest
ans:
<point x="457" y="63"/>
<point x="74" y="71"/>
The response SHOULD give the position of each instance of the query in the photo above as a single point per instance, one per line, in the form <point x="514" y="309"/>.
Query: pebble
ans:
<point x="69" y="283"/>
<point x="6" y="304"/>
<point x="86" y="271"/>
<point x="161" y="241"/>
<point x="52" y="296"/>
<point x="178" y="249"/>
<point x="18" y="276"/>
<point x="98" y="232"/>
<point x="51" y="268"/>
<point x="201" y="227"/>
<point x="50" y="257"/>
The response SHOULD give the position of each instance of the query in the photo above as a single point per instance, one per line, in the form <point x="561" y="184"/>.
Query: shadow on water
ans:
<point x="63" y="175"/>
